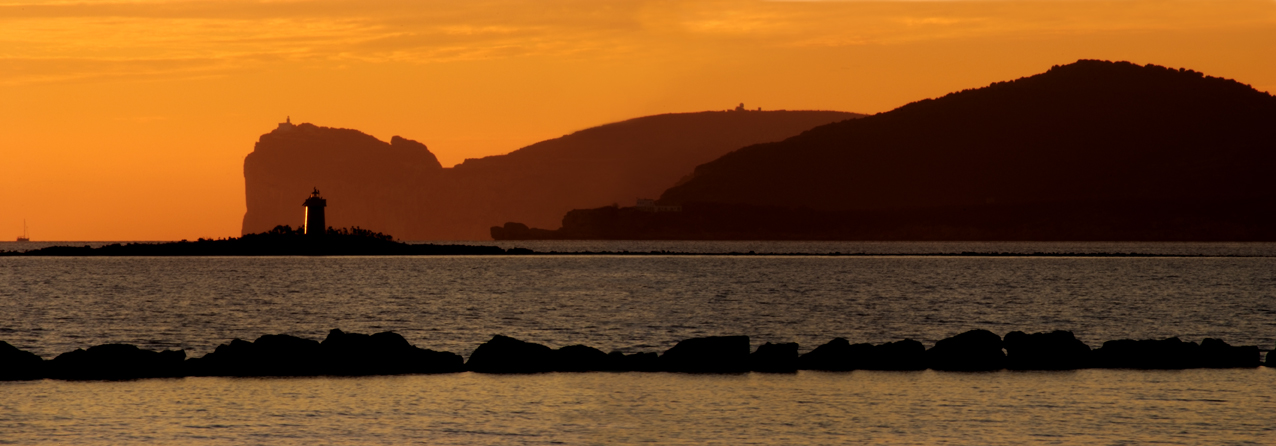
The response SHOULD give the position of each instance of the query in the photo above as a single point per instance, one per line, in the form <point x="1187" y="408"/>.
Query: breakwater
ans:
<point x="387" y="353"/>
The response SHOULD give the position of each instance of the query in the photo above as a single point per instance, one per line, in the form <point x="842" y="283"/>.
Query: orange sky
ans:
<point x="129" y="120"/>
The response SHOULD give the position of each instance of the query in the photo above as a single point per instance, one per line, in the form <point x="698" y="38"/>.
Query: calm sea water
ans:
<point x="647" y="303"/>
<point x="1089" y="407"/>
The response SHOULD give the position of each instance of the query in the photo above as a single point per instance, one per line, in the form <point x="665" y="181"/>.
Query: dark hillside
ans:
<point x="1088" y="131"/>
<point x="1088" y="151"/>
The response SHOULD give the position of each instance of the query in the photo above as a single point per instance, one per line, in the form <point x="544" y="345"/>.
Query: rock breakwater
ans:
<point x="387" y="353"/>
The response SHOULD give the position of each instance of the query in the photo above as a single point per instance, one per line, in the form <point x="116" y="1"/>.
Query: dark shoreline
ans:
<point x="280" y="241"/>
<point x="870" y="254"/>
<point x="460" y="250"/>
<point x="387" y="353"/>
<point x="285" y="241"/>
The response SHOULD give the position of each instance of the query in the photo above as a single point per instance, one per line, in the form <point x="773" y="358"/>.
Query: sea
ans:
<point x="641" y="296"/>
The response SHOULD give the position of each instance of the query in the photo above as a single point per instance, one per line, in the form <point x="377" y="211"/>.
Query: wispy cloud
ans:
<point x="75" y="40"/>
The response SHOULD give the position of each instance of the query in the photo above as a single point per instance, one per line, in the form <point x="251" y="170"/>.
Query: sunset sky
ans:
<point x="130" y="120"/>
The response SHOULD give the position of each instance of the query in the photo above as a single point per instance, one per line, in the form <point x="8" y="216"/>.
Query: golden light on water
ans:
<point x="1076" y="407"/>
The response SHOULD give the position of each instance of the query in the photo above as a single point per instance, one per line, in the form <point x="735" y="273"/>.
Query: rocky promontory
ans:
<point x="400" y="187"/>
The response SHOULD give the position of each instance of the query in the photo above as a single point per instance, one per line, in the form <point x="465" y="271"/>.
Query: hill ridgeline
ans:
<point x="1092" y="150"/>
<point x="400" y="188"/>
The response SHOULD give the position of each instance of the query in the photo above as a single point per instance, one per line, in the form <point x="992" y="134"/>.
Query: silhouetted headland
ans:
<point x="280" y="241"/>
<point x="400" y="187"/>
<point x="387" y="353"/>
<point x="1092" y="150"/>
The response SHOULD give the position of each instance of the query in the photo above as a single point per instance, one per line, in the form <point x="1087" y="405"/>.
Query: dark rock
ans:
<point x="386" y="353"/>
<point x="1170" y="353"/>
<point x="1217" y="354"/>
<point x="1057" y="350"/>
<point x="225" y="360"/>
<point x="504" y="354"/>
<point x="269" y="355"/>
<point x="16" y="364"/>
<point x="580" y="358"/>
<point x="975" y="350"/>
<point x="775" y="358"/>
<point x="841" y="355"/>
<point x="899" y="355"/>
<point x="289" y="355"/>
<point x="116" y="362"/>
<point x="837" y="355"/>
<point x="634" y="362"/>
<point x="714" y="354"/>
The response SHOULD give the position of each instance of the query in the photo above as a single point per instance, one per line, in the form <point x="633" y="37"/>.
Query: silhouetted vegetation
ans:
<point x="279" y="241"/>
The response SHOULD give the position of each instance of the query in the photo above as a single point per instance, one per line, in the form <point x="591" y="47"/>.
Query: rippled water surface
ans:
<point x="647" y="303"/>
<point x="633" y="303"/>
<point x="1005" y="408"/>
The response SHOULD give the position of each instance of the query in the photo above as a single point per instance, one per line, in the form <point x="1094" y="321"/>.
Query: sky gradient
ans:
<point x="131" y="120"/>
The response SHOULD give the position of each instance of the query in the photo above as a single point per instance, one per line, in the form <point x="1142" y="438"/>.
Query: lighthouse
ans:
<point x="315" y="224"/>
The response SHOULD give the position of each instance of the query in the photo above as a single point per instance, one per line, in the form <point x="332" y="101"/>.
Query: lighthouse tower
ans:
<point x="315" y="224"/>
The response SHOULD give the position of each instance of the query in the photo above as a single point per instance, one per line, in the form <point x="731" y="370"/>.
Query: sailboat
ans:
<point x="24" y="237"/>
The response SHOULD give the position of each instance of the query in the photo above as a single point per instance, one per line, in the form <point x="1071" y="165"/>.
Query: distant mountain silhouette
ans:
<point x="1091" y="130"/>
<point x="401" y="188"/>
<point x="1086" y="151"/>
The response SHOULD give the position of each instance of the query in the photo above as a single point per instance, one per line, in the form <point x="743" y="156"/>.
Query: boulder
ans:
<point x="899" y="355"/>
<point x="775" y="358"/>
<point x="226" y="360"/>
<point x="580" y="358"/>
<point x="841" y="355"/>
<point x="975" y="350"/>
<point x="116" y="362"/>
<point x="714" y="354"/>
<point x="385" y="353"/>
<point x="1171" y="353"/>
<point x="269" y="355"/>
<point x="633" y="362"/>
<point x="1056" y="350"/>
<point x="1216" y="354"/>
<point x="16" y="364"/>
<point x="503" y="354"/>
<point x="837" y="355"/>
